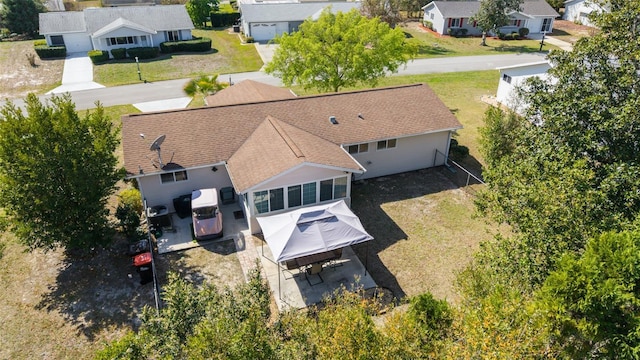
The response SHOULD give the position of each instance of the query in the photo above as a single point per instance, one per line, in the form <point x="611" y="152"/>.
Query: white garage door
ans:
<point x="77" y="43"/>
<point x="263" y="32"/>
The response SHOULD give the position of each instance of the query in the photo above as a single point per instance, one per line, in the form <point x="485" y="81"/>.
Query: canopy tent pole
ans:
<point x="366" y="260"/>
<point x="279" y="288"/>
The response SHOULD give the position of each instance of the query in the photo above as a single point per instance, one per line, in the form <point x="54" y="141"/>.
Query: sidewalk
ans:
<point x="553" y="41"/>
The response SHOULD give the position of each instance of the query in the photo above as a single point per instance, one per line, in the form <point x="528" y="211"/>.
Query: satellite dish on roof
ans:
<point x="155" y="145"/>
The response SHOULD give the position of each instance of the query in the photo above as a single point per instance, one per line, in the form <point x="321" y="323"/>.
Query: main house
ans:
<point x="116" y="27"/>
<point x="286" y="152"/>
<point x="535" y="15"/>
<point x="513" y="77"/>
<point x="263" y="21"/>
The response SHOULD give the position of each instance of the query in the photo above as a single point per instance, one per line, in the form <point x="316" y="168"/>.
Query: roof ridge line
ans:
<point x="287" y="139"/>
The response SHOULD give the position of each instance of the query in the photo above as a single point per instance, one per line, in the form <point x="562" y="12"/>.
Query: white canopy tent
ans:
<point x="312" y="230"/>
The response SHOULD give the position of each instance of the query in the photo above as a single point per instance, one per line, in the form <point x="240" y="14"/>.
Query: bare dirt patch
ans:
<point x="18" y="77"/>
<point x="570" y="31"/>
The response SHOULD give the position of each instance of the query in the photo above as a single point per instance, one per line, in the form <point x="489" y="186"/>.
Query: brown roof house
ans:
<point x="280" y="152"/>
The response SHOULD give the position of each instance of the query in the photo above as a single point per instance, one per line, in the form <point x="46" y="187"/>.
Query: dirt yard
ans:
<point x="570" y="32"/>
<point x="18" y="77"/>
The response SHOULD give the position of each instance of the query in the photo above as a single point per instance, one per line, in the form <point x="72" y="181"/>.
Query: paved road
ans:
<point x="137" y="93"/>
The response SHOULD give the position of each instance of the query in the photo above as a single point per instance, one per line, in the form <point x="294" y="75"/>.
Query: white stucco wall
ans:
<point x="437" y="20"/>
<point x="410" y="153"/>
<point x="507" y="92"/>
<point x="157" y="193"/>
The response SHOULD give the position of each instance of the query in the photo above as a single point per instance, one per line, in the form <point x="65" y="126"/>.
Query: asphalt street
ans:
<point x="162" y="90"/>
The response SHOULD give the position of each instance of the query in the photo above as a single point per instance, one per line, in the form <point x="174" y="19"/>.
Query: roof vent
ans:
<point x="360" y="116"/>
<point x="333" y="120"/>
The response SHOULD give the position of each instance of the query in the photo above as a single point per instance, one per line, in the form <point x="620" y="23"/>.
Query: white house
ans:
<point x="535" y="15"/>
<point x="513" y="77"/>
<point x="116" y="27"/>
<point x="579" y="11"/>
<point x="287" y="152"/>
<point x="265" y="20"/>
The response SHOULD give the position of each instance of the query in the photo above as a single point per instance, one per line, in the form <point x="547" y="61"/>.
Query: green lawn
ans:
<point x="430" y="45"/>
<point x="228" y="55"/>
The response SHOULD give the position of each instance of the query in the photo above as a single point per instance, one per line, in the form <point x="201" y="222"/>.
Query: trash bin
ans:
<point x="182" y="204"/>
<point x="139" y="247"/>
<point x="236" y="28"/>
<point x="227" y="195"/>
<point x="142" y="262"/>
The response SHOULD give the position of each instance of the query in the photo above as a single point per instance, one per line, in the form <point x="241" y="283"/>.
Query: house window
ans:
<point x="546" y="25"/>
<point x="358" y="148"/>
<point x="276" y="199"/>
<point x="431" y="16"/>
<point x="261" y="201"/>
<point x="294" y="196"/>
<point x="170" y="177"/>
<point x="387" y="144"/>
<point x="454" y="22"/>
<point x="506" y="78"/>
<point x="57" y="40"/>
<point x="326" y="190"/>
<point x="516" y="23"/>
<point x="340" y="188"/>
<point x="122" y="40"/>
<point x="173" y="35"/>
<point x="309" y="193"/>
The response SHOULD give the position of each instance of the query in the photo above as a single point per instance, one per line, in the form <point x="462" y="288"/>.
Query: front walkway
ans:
<point x="553" y="41"/>
<point x="77" y="74"/>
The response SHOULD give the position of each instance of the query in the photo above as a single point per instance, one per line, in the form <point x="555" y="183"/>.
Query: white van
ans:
<point x="207" y="218"/>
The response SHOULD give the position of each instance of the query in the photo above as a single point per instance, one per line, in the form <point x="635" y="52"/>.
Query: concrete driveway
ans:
<point x="77" y="74"/>
<point x="266" y="51"/>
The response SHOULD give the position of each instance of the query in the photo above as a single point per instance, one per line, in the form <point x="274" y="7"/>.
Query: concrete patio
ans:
<point x="181" y="237"/>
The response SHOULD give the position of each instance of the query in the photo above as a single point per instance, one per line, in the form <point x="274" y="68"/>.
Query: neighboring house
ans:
<point x="54" y="5"/>
<point x="116" y="27"/>
<point x="287" y="153"/>
<point x="536" y="15"/>
<point x="579" y="10"/>
<point x="513" y="77"/>
<point x="263" y="21"/>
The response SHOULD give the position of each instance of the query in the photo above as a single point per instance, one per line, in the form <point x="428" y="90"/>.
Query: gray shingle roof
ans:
<point x="202" y="136"/>
<point x="465" y="9"/>
<point x="159" y="18"/>
<point x="282" y="12"/>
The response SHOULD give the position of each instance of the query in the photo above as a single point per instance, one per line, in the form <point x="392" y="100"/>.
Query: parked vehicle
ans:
<point x="207" y="218"/>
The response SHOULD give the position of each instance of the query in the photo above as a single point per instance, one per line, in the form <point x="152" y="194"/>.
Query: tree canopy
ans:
<point x="21" y="16"/>
<point x="385" y="10"/>
<point x="200" y="10"/>
<point x="339" y="50"/>
<point x="570" y="170"/>
<point x="56" y="172"/>
<point x="493" y="14"/>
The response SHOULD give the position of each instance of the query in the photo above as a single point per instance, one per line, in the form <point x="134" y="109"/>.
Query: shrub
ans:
<point x="457" y="151"/>
<point x="48" y="52"/>
<point x="143" y="52"/>
<point x="31" y="57"/>
<point x="457" y="32"/>
<point x="248" y="39"/>
<point x="428" y="24"/>
<point x="224" y="19"/>
<point x="128" y="212"/>
<point x="523" y="32"/>
<point x="195" y="45"/>
<point x="513" y="36"/>
<point x="98" y="56"/>
<point x="433" y="316"/>
<point x="40" y="42"/>
<point x="119" y="53"/>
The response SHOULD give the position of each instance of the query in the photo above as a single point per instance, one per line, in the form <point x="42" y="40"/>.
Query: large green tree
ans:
<point x="592" y="301"/>
<point x="571" y="169"/>
<point x="493" y="15"/>
<point x="339" y="50"/>
<point x="21" y="16"/>
<point x="200" y="10"/>
<point x="56" y="172"/>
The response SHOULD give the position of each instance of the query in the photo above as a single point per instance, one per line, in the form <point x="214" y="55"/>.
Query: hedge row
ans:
<point x="143" y="52"/>
<point x="224" y="19"/>
<point x="98" y="56"/>
<point x="49" y="52"/>
<point x="119" y="53"/>
<point x="195" y="45"/>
